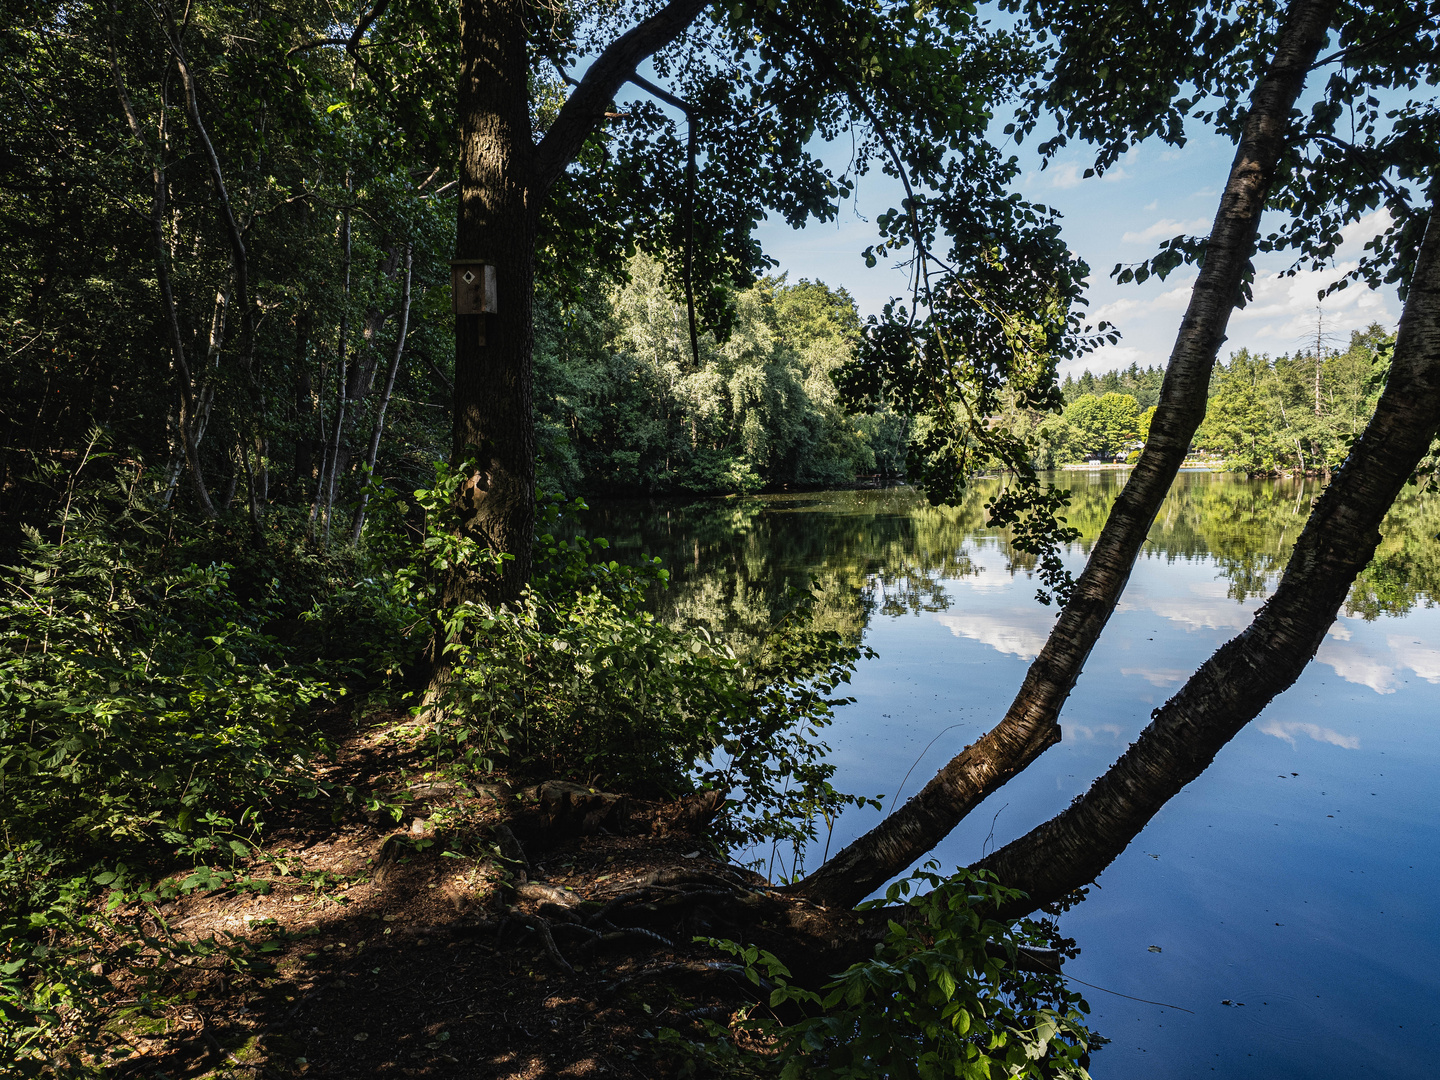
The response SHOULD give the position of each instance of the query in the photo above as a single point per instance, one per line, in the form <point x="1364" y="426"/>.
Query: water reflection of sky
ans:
<point x="1298" y="875"/>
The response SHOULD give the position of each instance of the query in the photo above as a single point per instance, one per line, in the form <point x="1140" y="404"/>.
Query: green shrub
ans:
<point x="577" y="679"/>
<point x="942" y="997"/>
<point x="134" y="700"/>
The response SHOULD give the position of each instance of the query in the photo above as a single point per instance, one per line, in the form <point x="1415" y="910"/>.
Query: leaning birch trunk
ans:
<point x="379" y="428"/>
<point x="1241" y="678"/>
<point x="1029" y="727"/>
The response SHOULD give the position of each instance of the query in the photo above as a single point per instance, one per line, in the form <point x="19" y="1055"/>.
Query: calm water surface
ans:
<point x="1300" y="875"/>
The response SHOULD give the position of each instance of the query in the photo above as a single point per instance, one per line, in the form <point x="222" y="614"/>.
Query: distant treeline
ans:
<point x="1296" y="413"/>
<point x="1143" y="384"/>
<point x="1292" y="414"/>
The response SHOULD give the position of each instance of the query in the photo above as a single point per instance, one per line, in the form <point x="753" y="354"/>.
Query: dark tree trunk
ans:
<point x="504" y="179"/>
<point x="305" y="441"/>
<point x="493" y="424"/>
<point x="1029" y="727"/>
<point x="1240" y="679"/>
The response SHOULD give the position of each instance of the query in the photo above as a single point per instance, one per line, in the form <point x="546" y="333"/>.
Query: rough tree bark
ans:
<point x="1241" y="678"/>
<point x="492" y="423"/>
<point x="504" y="179"/>
<point x="1030" y="725"/>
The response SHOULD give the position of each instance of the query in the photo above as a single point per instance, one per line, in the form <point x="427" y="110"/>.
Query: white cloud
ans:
<point x="1280" y="319"/>
<point x="1359" y="233"/>
<point x="1165" y="228"/>
<point x="1174" y="299"/>
<point x="1147" y="327"/>
<point x="988" y="579"/>
<point x="1379" y="669"/>
<point x="1114" y="731"/>
<point x="1283" y="314"/>
<point x="1356" y="664"/>
<point x="1202" y="612"/>
<point x="1113" y="310"/>
<point x="1003" y="635"/>
<point x="1338" y="632"/>
<point x="1065" y="176"/>
<point x="1158" y="676"/>
<point x="1420" y="658"/>
<point x="1290" y="729"/>
<point x="1215" y="590"/>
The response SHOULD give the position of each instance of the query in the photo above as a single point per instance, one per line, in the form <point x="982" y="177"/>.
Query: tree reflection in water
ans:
<point x="738" y="564"/>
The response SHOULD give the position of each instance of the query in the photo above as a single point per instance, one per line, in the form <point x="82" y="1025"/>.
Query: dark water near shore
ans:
<point x="1299" y="876"/>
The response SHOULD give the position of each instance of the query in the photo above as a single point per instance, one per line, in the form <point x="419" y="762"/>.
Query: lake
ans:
<point x="1289" y="898"/>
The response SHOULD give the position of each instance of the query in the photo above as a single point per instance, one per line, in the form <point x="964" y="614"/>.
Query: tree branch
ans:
<point x="817" y="54"/>
<point x="585" y="107"/>
<point x="353" y="41"/>
<point x="217" y="177"/>
<point x="691" y="171"/>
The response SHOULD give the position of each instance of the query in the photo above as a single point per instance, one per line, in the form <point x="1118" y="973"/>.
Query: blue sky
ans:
<point x="1156" y="192"/>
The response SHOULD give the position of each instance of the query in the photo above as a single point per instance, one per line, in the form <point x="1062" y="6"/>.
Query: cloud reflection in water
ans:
<point x="1287" y="730"/>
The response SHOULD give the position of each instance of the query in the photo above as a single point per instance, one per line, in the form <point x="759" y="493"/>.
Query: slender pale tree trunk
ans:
<point x="379" y="428"/>
<point x="240" y="265"/>
<point x="189" y="418"/>
<point x="1240" y="679"/>
<point x="332" y="466"/>
<point x="1030" y="726"/>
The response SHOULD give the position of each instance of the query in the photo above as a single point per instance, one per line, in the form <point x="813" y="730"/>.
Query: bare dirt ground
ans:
<point x="492" y="932"/>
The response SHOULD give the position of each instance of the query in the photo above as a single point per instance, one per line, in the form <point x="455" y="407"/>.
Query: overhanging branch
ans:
<point x="353" y="41"/>
<point x="611" y="70"/>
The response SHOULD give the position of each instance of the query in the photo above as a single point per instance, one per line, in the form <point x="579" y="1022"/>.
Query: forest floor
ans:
<point x="367" y="948"/>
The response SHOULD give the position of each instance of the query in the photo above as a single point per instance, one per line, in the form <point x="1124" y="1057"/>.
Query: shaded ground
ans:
<point x="420" y="949"/>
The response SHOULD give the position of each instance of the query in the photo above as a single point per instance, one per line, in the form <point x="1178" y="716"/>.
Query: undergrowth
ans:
<point x="941" y="997"/>
<point x="160" y="682"/>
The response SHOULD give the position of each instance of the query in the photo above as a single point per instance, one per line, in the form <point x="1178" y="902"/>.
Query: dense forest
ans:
<point x="315" y="322"/>
<point x="624" y="407"/>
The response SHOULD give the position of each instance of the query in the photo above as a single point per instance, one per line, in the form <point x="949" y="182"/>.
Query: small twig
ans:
<point x="1145" y="1001"/>
<point x="353" y="41"/>
<point x="894" y="799"/>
